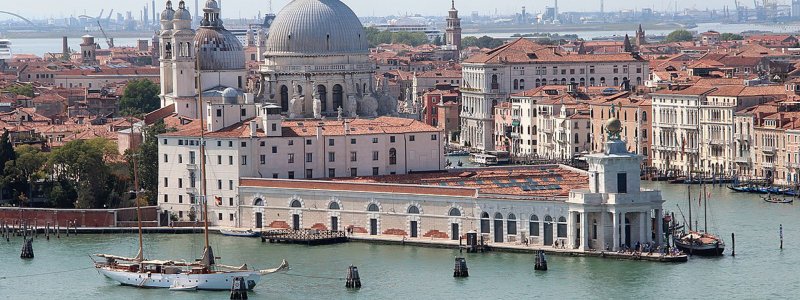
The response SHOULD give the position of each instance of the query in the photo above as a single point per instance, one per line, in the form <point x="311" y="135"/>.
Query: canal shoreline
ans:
<point x="388" y="240"/>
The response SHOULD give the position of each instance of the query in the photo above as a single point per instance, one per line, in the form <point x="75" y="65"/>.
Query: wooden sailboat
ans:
<point x="202" y="274"/>
<point x="696" y="242"/>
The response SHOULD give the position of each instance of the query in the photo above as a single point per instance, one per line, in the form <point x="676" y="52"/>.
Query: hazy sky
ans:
<point x="248" y="8"/>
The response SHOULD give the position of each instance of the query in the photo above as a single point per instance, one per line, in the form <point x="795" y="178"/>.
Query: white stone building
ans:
<point x="676" y="129"/>
<point x="492" y="77"/>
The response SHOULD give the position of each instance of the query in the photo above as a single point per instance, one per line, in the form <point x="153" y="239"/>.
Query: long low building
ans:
<point x="603" y="208"/>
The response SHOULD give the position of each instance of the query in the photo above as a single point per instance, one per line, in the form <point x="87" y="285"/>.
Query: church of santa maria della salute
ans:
<point x="315" y="63"/>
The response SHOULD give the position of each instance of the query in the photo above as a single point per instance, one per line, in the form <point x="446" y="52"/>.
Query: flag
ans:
<point x="218" y="200"/>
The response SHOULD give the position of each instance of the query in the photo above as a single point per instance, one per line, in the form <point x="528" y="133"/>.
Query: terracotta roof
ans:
<point x="358" y="187"/>
<point x="526" y="51"/>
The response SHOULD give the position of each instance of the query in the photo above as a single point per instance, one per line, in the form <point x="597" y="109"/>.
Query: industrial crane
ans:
<point x="110" y="42"/>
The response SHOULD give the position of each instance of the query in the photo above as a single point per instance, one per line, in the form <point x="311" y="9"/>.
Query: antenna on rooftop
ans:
<point x="270" y="7"/>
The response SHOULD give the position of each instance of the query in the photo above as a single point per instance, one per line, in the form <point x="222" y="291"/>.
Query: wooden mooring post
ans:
<point x="27" y="249"/>
<point x="733" y="244"/>
<point x="47" y="231"/>
<point x="353" y="279"/>
<point x="780" y="231"/>
<point x="239" y="289"/>
<point x="67" y="228"/>
<point x="58" y="230"/>
<point x="460" y="269"/>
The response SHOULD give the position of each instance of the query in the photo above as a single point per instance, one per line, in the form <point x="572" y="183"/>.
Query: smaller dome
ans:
<point x="168" y="14"/>
<point x="230" y="96"/>
<point x="211" y="4"/>
<point x="182" y="13"/>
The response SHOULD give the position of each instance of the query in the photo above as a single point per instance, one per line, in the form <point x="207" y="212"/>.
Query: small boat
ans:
<point x="771" y="199"/>
<point x="741" y="189"/>
<point x="699" y="243"/>
<point x="185" y="286"/>
<point x="457" y="153"/>
<point x="239" y="233"/>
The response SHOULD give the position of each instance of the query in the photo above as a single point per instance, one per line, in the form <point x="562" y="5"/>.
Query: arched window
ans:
<point x="284" y="98"/>
<point x="537" y="82"/>
<point x="582" y="82"/>
<point x="522" y="84"/>
<point x="512" y="224"/>
<point x="296" y="204"/>
<point x="644" y="116"/>
<point x="454" y="212"/>
<point x="338" y="98"/>
<point x="334" y="205"/>
<point x="516" y="84"/>
<point x="563" y="81"/>
<point x="616" y="81"/>
<point x="602" y="81"/>
<point x="393" y="156"/>
<point x="591" y="81"/>
<point x="413" y="210"/>
<point x="300" y="90"/>
<point x="495" y="84"/>
<point x="562" y="227"/>
<point x="577" y="138"/>
<point x="485" y="222"/>
<point x="258" y="202"/>
<point x="498" y="216"/>
<point x="555" y="81"/>
<point x="373" y="207"/>
<point x="534" y="226"/>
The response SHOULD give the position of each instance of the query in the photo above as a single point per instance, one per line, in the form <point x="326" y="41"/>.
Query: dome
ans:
<point x="168" y="14"/>
<point x="211" y="4"/>
<point x="316" y="27"/>
<point x="182" y="13"/>
<point x="230" y="95"/>
<point x="219" y="49"/>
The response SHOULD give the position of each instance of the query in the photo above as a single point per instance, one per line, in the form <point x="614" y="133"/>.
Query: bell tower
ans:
<point x="453" y="32"/>
<point x="165" y="54"/>
<point x="183" y="63"/>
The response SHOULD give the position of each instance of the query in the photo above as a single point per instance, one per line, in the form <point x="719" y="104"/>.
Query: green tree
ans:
<point x="481" y="42"/>
<point x="84" y="163"/>
<point x="437" y="40"/>
<point x="140" y="97"/>
<point x="146" y="157"/>
<point x="680" y="35"/>
<point x="21" y="89"/>
<point x="26" y="168"/>
<point x="7" y="156"/>
<point x="731" y="37"/>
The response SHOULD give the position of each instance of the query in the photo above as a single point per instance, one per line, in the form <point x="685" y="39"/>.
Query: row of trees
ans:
<point x="376" y="37"/>
<point x="80" y="174"/>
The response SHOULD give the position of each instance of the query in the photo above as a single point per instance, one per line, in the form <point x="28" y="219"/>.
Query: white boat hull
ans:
<point x="216" y="281"/>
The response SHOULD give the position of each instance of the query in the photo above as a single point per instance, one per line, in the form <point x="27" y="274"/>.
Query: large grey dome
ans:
<point x="316" y="27"/>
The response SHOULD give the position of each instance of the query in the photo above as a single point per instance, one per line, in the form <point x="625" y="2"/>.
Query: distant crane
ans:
<point x="109" y="15"/>
<point x="109" y="41"/>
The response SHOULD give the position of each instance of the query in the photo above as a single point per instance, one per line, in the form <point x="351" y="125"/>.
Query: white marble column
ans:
<point x="648" y="226"/>
<point x="659" y="227"/>
<point x="615" y="231"/>
<point x="572" y="229"/>
<point x="601" y="230"/>
<point x="622" y="234"/>
<point x="642" y="227"/>
<point x="585" y="232"/>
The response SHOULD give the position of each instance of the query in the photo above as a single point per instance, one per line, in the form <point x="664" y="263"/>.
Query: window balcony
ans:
<point x="768" y="166"/>
<point x="768" y="150"/>
<point x="744" y="160"/>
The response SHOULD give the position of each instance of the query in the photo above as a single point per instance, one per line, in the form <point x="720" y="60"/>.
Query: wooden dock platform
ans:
<point x="309" y="237"/>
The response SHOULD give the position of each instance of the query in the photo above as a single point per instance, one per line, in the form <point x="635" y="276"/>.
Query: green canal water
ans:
<point x="759" y="271"/>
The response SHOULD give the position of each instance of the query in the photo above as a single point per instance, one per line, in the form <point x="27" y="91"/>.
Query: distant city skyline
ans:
<point x="363" y="8"/>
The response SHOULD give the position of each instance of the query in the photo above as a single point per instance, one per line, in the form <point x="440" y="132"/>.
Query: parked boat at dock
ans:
<point x="239" y="233"/>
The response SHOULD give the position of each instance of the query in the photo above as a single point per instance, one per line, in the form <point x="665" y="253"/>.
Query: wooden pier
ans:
<point x="309" y="237"/>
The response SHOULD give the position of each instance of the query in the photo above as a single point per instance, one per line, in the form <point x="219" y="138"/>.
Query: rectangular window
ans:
<point x="231" y="217"/>
<point x="411" y="138"/>
<point x="166" y="198"/>
<point x="375" y="155"/>
<point x="219" y="159"/>
<point x="243" y="112"/>
<point x="219" y="113"/>
<point x="180" y="183"/>
<point x="244" y="144"/>
<point x="219" y="143"/>
<point x="166" y="158"/>
<point x="166" y="182"/>
<point x="165" y="141"/>
<point x="331" y="172"/>
<point x="374" y="140"/>
<point x="391" y="139"/>
<point x="353" y="172"/>
<point x="244" y="160"/>
<point x="263" y="144"/>
<point x="274" y="127"/>
<point x="275" y="175"/>
<point x="353" y="156"/>
<point x="433" y="137"/>
<point x="309" y="157"/>
<point x="308" y="142"/>
<point x="331" y="156"/>
<point x="309" y="173"/>
<point x="622" y="183"/>
<point x="219" y="184"/>
<point x="230" y="160"/>
<point x="180" y="198"/>
<point x="230" y="144"/>
<point x="331" y="142"/>
<point x="274" y="149"/>
<point x="220" y="216"/>
<point x="180" y="158"/>
<point x="291" y="174"/>
<point x="263" y="159"/>
<point x="291" y="158"/>
<point x="291" y="142"/>
<point x="192" y="157"/>
<point x="230" y="201"/>
<point x="230" y="185"/>
<point x="376" y="171"/>
<point x="352" y="141"/>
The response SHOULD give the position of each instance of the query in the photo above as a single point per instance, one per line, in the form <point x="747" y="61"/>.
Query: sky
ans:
<point x="364" y="8"/>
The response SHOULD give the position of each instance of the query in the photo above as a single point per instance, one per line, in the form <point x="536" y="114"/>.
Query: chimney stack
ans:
<point x="253" y="128"/>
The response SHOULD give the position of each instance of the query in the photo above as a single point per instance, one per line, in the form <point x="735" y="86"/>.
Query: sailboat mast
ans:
<point x="689" y="188"/>
<point x="200" y="112"/>
<point x="140" y="255"/>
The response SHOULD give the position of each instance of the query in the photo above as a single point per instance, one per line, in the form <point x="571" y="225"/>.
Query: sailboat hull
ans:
<point x="701" y="249"/>
<point x="214" y="282"/>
